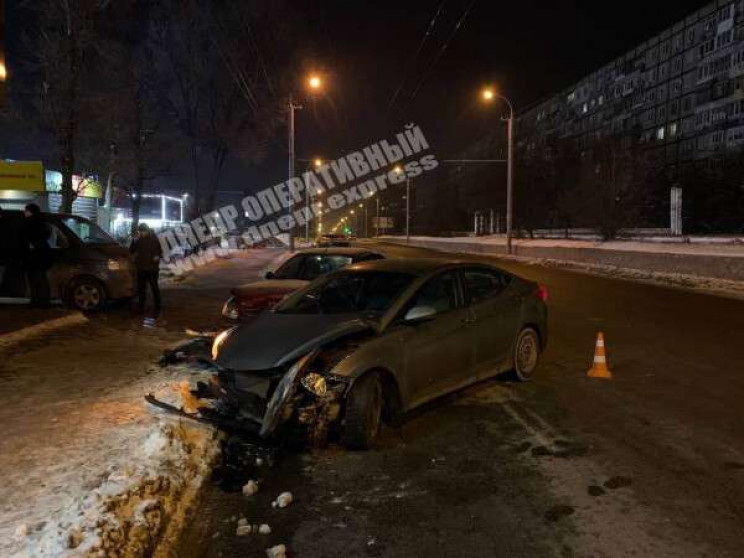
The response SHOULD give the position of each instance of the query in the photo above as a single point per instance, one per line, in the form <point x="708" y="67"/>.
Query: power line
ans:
<point x="442" y="51"/>
<point x="432" y="23"/>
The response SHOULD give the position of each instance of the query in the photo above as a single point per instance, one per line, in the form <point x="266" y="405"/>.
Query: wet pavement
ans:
<point x="647" y="464"/>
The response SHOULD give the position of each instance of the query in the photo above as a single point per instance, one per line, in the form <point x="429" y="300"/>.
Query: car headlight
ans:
<point x="230" y="309"/>
<point x="218" y="341"/>
<point x="315" y="384"/>
<point x="117" y="265"/>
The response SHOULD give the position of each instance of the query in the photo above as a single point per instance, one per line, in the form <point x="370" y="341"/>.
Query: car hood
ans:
<point x="268" y="287"/>
<point x="273" y="339"/>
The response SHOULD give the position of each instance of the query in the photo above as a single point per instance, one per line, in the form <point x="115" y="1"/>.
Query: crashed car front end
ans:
<point x="302" y="394"/>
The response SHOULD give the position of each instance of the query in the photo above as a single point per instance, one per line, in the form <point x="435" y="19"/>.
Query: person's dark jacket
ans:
<point x="147" y="253"/>
<point x="38" y="253"/>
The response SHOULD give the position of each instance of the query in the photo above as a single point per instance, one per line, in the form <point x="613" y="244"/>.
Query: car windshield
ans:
<point x="87" y="231"/>
<point x="368" y="292"/>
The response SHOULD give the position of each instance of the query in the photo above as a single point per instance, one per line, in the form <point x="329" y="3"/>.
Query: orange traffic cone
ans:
<point x="599" y="369"/>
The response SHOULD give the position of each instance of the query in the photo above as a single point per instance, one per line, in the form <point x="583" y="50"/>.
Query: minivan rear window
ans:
<point x="87" y="231"/>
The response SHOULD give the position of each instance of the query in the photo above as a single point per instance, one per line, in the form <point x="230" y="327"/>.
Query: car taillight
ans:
<point x="542" y="293"/>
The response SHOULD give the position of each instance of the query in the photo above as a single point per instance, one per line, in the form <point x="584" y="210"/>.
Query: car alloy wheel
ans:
<point x="526" y="354"/>
<point x="87" y="296"/>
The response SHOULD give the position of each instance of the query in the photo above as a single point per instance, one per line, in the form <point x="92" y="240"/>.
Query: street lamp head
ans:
<point x="315" y="82"/>
<point x="488" y="94"/>
<point x="398" y="169"/>
<point x="352" y="212"/>
<point x="318" y="163"/>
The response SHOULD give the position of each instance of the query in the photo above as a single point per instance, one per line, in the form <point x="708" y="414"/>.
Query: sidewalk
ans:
<point x="87" y="467"/>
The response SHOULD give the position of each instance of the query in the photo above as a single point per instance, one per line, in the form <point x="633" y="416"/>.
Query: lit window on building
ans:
<point x="660" y="133"/>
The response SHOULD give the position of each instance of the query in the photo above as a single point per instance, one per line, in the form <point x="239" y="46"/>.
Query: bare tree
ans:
<point x="60" y="56"/>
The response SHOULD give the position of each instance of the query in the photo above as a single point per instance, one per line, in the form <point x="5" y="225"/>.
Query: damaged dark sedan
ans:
<point x="365" y="344"/>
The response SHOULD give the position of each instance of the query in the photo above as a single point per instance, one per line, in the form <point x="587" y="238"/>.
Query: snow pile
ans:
<point x="140" y="502"/>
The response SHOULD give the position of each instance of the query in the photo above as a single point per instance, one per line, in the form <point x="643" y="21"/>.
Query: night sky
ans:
<point x="369" y="49"/>
<point x="530" y="48"/>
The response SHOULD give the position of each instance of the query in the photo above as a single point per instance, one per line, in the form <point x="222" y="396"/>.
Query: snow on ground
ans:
<point x="719" y="286"/>
<point x="88" y="468"/>
<point x="114" y="477"/>
<point x="729" y="249"/>
<point x="708" y="284"/>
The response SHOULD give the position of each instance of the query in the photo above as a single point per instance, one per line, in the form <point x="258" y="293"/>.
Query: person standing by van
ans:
<point x="147" y="255"/>
<point x="37" y="257"/>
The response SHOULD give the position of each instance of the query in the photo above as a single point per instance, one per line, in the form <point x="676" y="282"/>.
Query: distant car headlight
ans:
<point x="315" y="384"/>
<point x="117" y="265"/>
<point x="230" y="309"/>
<point x="218" y="341"/>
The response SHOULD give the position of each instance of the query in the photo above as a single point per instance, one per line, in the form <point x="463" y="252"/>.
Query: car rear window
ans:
<point x="315" y="266"/>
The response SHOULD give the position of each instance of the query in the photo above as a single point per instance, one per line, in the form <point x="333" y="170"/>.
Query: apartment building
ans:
<point x="679" y="95"/>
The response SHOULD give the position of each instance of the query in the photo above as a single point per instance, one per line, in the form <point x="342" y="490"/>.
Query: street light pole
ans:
<point x="509" y="178"/>
<point x="489" y="94"/>
<point x="408" y="209"/>
<point x="291" y="166"/>
<point x="377" y="224"/>
<point x="307" y="210"/>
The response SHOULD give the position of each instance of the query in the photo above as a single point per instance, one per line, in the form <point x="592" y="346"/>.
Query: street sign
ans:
<point x="385" y="222"/>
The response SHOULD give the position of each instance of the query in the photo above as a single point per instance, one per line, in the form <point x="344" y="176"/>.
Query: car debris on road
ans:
<point x="283" y="500"/>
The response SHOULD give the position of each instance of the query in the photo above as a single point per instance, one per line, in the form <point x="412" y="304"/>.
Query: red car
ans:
<point x="251" y="299"/>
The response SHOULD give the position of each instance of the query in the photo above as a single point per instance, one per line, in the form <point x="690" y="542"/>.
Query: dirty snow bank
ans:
<point x="647" y="266"/>
<point x="139" y="504"/>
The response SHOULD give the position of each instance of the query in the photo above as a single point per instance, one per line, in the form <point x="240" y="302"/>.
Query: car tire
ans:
<point x="363" y="413"/>
<point x="86" y="294"/>
<point x="526" y="354"/>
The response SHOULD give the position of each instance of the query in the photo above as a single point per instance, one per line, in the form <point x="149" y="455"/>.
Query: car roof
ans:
<point x="336" y="251"/>
<point x="45" y="214"/>
<point x="412" y="266"/>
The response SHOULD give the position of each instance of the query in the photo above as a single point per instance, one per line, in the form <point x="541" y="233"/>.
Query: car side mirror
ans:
<point x="419" y="314"/>
<point x="270" y="275"/>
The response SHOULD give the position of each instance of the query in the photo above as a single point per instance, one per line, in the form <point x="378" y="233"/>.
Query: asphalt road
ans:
<point x="649" y="464"/>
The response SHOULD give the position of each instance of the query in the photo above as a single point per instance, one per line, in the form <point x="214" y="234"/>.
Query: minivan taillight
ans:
<point x="542" y="293"/>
